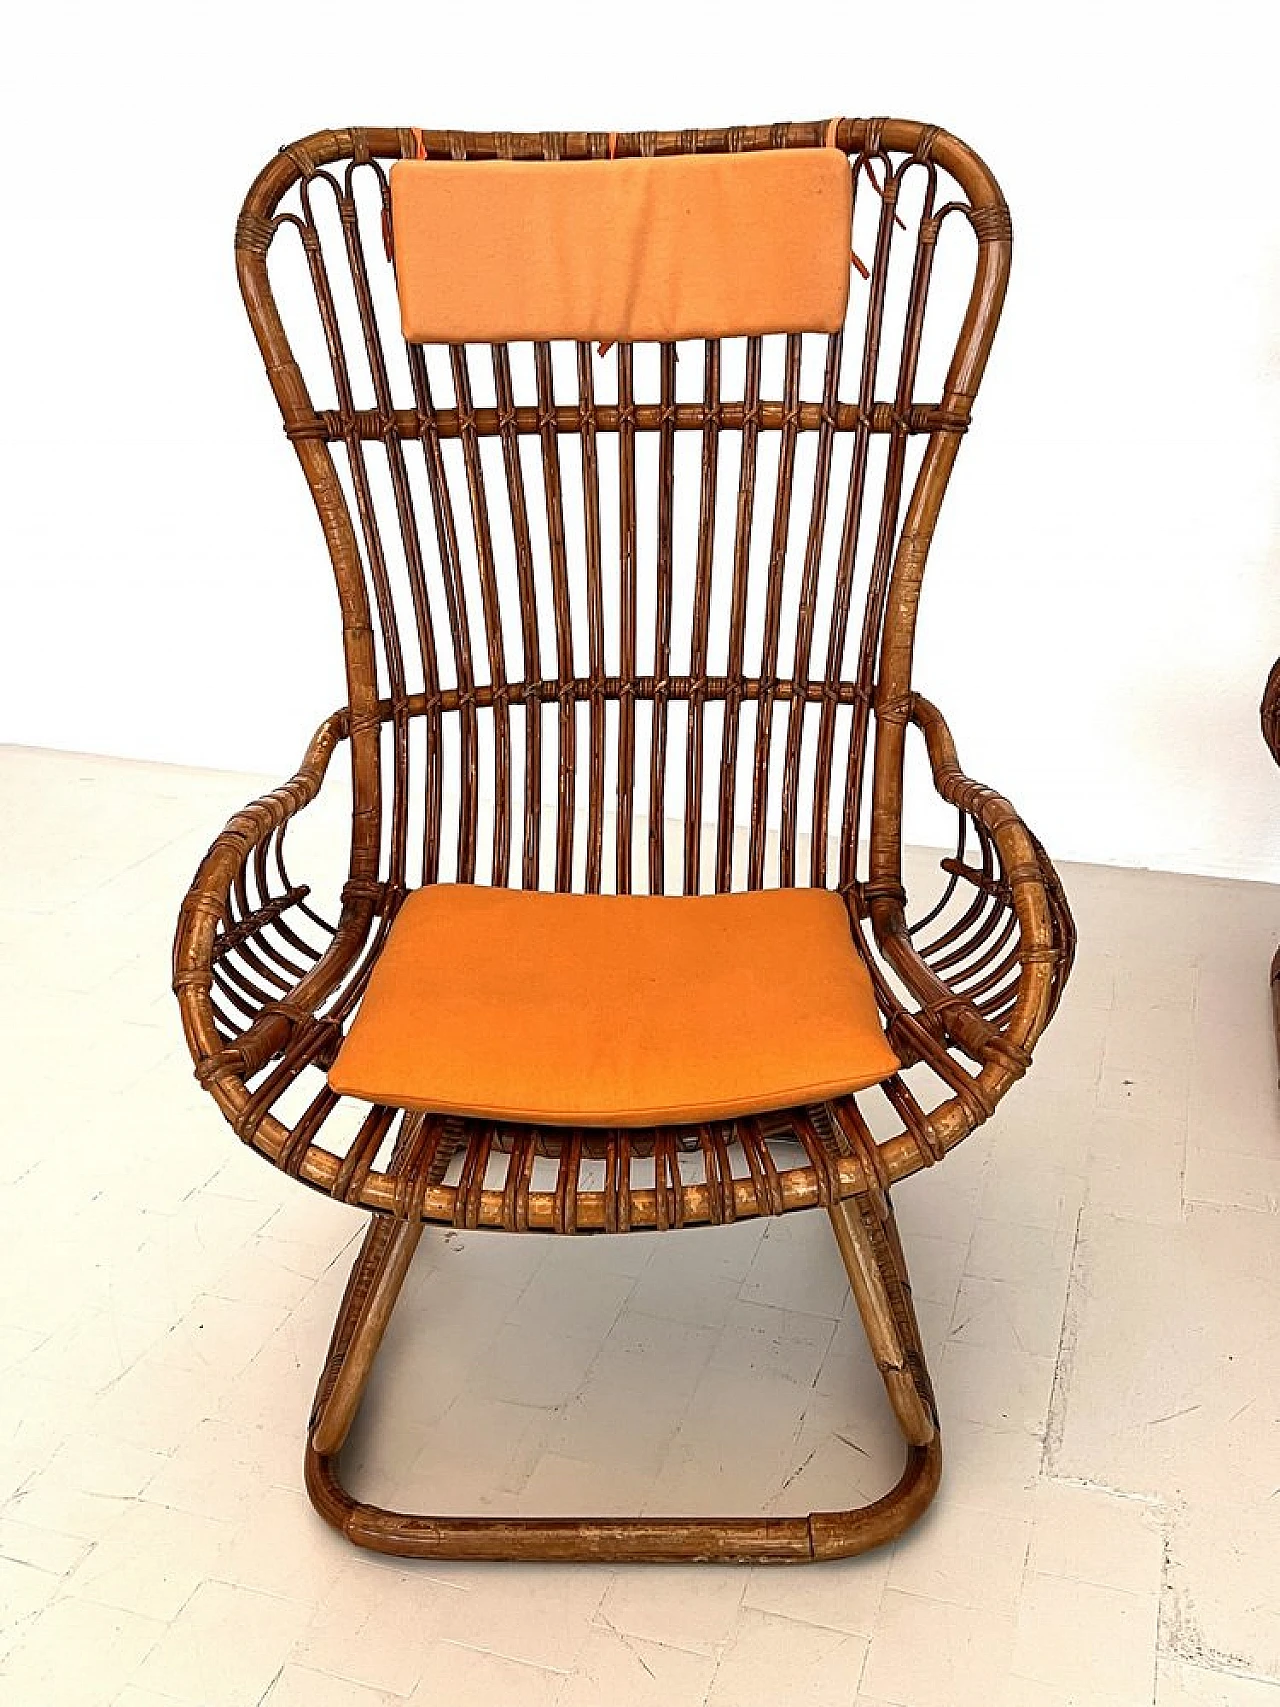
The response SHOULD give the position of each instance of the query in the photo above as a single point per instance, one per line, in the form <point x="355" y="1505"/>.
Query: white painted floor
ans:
<point x="1099" y="1279"/>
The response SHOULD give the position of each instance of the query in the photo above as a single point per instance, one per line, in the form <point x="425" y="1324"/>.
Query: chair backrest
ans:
<point x="626" y="618"/>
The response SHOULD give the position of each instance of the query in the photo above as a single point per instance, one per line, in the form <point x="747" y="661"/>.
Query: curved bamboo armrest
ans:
<point x="246" y="967"/>
<point x="987" y="975"/>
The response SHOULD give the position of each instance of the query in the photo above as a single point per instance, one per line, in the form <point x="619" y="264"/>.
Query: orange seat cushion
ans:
<point x="685" y="246"/>
<point x="607" y="1010"/>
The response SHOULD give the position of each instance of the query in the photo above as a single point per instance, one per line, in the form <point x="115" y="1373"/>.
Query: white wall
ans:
<point x="1110" y="550"/>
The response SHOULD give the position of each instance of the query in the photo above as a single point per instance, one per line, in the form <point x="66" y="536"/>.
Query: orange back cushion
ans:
<point x="683" y="246"/>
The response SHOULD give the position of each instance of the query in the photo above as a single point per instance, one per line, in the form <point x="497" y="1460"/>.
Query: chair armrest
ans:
<point x="252" y="959"/>
<point x="988" y="974"/>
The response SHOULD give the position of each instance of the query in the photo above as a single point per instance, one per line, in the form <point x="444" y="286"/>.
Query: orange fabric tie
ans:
<point x="829" y="140"/>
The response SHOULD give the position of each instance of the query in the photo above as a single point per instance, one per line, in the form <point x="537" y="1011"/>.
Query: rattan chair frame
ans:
<point x="1270" y="716"/>
<point x="267" y="983"/>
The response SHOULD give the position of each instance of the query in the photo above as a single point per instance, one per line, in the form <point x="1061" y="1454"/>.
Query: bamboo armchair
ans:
<point x="637" y="621"/>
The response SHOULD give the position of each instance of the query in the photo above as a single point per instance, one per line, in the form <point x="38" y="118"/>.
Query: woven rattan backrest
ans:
<point x="600" y="608"/>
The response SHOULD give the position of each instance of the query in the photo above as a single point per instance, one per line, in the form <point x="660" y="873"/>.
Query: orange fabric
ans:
<point x="683" y="246"/>
<point x="605" y="1010"/>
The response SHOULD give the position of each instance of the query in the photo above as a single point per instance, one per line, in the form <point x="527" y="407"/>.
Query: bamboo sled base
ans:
<point x="872" y="1253"/>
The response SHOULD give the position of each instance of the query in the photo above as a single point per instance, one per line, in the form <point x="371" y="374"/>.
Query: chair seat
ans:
<point x="607" y="1010"/>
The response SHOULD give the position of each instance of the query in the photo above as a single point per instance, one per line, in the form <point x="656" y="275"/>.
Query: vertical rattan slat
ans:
<point x="798" y="704"/>
<point x="529" y="642"/>
<point x="566" y="727"/>
<point x="704" y="573"/>
<point x="411" y="544"/>
<point x="456" y="606"/>
<point x="627" y="594"/>
<point x="891" y="497"/>
<point x="664" y="596"/>
<point x="595" y="617"/>
<point x="367" y="513"/>
<point x="847" y="558"/>
<point x="773" y="612"/>
<point x="491" y="612"/>
<point x="728" y="791"/>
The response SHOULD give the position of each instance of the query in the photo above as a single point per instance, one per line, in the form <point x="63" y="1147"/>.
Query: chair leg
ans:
<point x="370" y="1297"/>
<point x="877" y="1269"/>
<point x="873" y="1256"/>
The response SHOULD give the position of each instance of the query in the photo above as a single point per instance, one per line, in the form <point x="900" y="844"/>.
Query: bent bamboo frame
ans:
<point x="873" y="1258"/>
